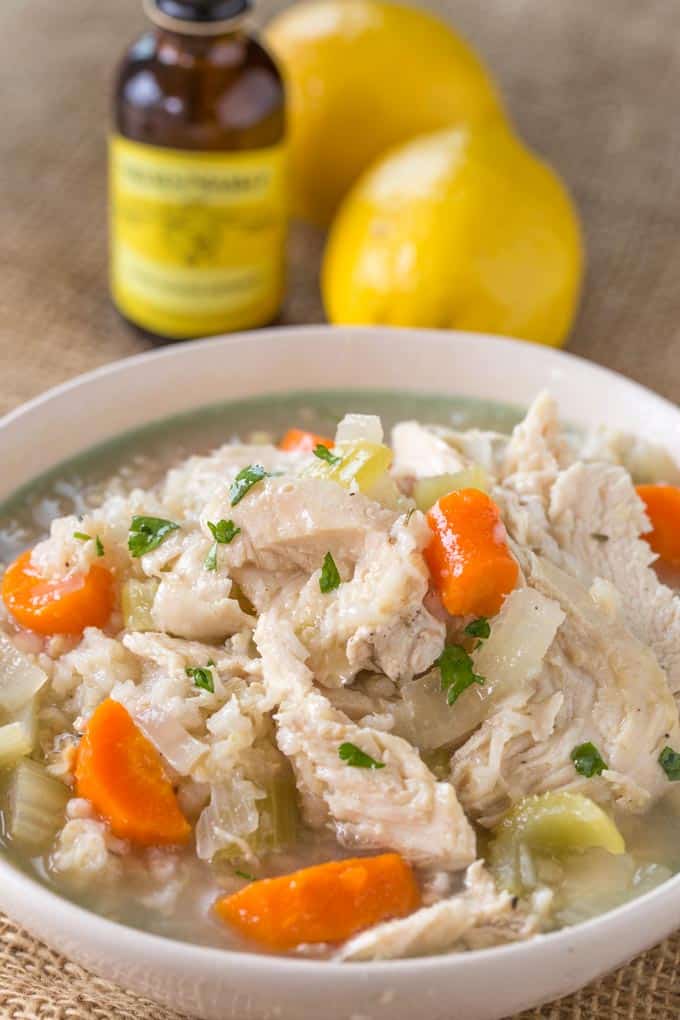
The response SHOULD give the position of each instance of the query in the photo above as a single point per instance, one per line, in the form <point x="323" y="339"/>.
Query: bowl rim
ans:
<point x="106" y="929"/>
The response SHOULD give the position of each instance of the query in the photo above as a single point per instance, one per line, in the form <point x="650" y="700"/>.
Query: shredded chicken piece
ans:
<point x="599" y="684"/>
<point x="537" y="450"/>
<point x="399" y="807"/>
<point x="588" y="519"/>
<point x="376" y="619"/>
<point x="479" y="916"/>
<point x="420" y="453"/>
<point x="289" y="524"/>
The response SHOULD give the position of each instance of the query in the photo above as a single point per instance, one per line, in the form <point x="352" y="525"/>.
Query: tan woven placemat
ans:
<point x="593" y="85"/>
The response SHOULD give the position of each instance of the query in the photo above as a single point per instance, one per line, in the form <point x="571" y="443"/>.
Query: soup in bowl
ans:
<point x="353" y="676"/>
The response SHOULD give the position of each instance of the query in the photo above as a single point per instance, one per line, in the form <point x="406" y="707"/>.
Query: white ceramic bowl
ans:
<point x="215" y="984"/>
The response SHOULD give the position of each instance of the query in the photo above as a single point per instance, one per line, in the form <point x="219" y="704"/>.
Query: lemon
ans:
<point x="463" y="228"/>
<point x="363" y="76"/>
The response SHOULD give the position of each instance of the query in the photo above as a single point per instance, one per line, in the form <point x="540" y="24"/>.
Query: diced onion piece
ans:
<point x="18" y="737"/>
<point x="169" y="737"/>
<point x="426" y="491"/>
<point x="229" y="821"/>
<point x="433" y="723"/>
<point x="360" y="428"/>
<point x="136" y="604"/>
<point x="36" y="804"/>
<point x="20" y="679"/>
<point x="555" y="823"/>
<point x="521" y="635"/>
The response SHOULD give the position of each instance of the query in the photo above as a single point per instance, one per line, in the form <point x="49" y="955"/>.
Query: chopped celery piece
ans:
<point x="20" y="679"/>
<point x="36" y="804"/>
<point x="426" y="491"/>
<point x="136" y="603"/>
<point x="278" y="824"/>
<point x="554" y="824"/>
<point x="387" y="493"/>
<point x="18" y="736"/>
<point x="364" y="464"/>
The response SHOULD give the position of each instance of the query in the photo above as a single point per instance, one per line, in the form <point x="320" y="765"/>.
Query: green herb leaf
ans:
<point x="244" y="874"/>
<point x="479" y="628"/>
<point x="410" y="514"/>
<point x="669" y="760"/>
<point x="244" y="482"/>
<point x="202" y="678"/>
<point x="330" y="578"/>
<point x="457" y="673"/>
<point x="83" y="537"/>
<point x="357" y="758"/>
<point x="323" y="453"/>
<point x="147" y="533"/>
<point x="599" y="537"/>
<point x="588" y="761"/>
<point x="210" y="562"/>
<point x="223" y="532"/>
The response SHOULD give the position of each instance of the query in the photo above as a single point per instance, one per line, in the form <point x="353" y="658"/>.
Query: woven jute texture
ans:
<point x="594" y="86"/>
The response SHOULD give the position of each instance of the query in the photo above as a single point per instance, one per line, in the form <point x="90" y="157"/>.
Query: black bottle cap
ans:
<point x="205" y="11"/>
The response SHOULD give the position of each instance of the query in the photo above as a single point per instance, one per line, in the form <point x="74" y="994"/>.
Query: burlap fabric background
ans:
<point x="593" y="84"/>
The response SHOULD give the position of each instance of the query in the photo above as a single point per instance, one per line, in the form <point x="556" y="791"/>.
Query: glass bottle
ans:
<point x="198" y="197"/>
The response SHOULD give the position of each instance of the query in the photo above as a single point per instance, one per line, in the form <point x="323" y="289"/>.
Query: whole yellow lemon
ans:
<point x="462" y="229"/>
<point x="362" y="77"/>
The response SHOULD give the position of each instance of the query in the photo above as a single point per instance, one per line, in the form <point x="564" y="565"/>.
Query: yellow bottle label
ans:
<point x="197" y="239"/>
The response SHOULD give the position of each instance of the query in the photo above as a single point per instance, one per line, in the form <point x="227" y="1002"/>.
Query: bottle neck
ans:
<point x="188" y="51"/>
<point x="196" y="29"/>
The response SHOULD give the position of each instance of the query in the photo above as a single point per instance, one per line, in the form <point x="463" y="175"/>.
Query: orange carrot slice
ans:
<point x="299" y="441"/>
<point x="327" y="903"/>
<point x="57" y="607"/>
<point x="662" y="503"/>
<point x="468" y="557"/>
<point x="120" y="772"/>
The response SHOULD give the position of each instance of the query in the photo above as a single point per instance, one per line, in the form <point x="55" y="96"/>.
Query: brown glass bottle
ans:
<point x="198" y="189"/>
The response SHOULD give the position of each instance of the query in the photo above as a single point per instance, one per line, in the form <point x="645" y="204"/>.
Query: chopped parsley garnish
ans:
<point x="358" y="759"/>
<point x="457" y="673"/>
<point x="669" y="760"/>
<point x="202" y="678"/>
<point x="244" y="874"/>
<point x="223" y="532"/>
<point x="147" y="533"/>
<point x="410" y="514"/>
<point x="83" y="537"/>
<point x="599" y="537"/>
<point x="588" y="761"/>
<point x="330" y="578"/>
<point x="479" y="628"/>
<point x="323" y="453"/>
<point x="244" y="482"/>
